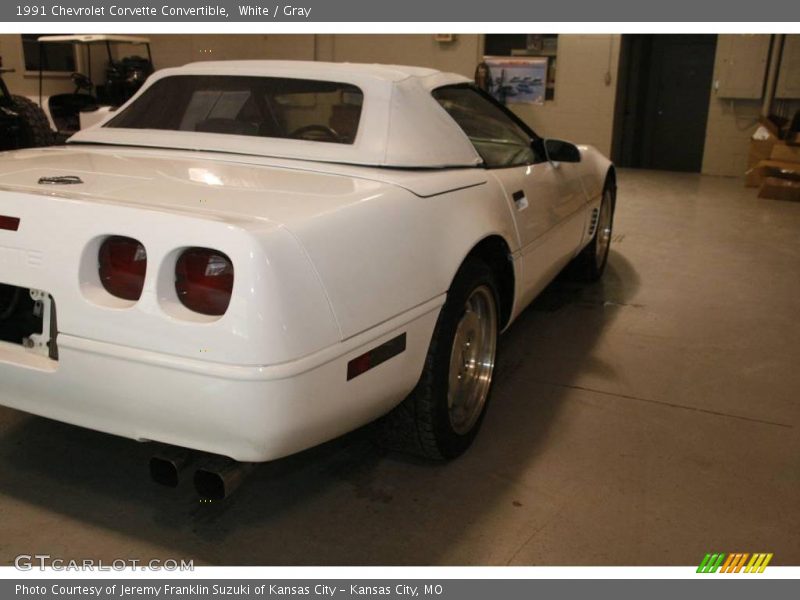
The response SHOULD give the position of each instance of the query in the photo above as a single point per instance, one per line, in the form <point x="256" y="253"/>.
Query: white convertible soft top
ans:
<point x="402" y="125"/>
<point x="100" y="38"/>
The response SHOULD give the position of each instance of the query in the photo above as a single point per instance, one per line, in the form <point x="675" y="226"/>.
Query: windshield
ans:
<point x="272" y="107"/>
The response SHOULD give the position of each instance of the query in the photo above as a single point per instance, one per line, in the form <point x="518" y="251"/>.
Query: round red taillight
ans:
<point x="122" y="265"/>
<point x="204" y="280"/>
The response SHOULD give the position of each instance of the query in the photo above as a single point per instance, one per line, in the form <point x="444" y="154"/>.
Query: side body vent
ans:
<point x="593" y="221"/>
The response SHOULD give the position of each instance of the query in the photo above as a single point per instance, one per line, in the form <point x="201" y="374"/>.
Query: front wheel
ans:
<point x="590" y="264"/>
<point x="443" y="414"/>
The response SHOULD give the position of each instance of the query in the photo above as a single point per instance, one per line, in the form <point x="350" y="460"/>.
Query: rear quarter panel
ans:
<point x="395" y="250"/>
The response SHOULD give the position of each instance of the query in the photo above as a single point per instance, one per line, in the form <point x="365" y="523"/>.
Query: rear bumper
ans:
<point x="245" y="412"/>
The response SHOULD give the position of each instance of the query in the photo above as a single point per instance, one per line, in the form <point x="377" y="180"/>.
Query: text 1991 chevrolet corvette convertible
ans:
<point x="251" y="258"/>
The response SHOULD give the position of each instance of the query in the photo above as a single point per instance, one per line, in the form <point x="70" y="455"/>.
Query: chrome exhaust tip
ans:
<point x="220" y="477"/>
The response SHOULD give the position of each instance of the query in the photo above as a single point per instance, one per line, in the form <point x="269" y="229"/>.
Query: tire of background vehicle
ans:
<point x="590" y="264"/>
<point x="431" y="422"/>
<point x="37" y="128"/>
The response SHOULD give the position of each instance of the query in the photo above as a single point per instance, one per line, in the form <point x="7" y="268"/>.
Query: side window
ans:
<point x="500" y="141"/>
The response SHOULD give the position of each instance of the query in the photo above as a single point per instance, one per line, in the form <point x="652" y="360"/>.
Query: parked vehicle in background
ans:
<point x="90" y="103"/>
<point x="22" y="123"/>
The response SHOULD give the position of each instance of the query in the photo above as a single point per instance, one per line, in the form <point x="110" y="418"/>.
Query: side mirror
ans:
<point x="560" y="151"/>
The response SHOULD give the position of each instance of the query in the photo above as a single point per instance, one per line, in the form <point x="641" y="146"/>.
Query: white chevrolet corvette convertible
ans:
<point x="250" y="258"/>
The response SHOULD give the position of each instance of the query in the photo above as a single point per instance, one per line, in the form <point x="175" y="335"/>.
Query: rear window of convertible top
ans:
<point x="272" y="107"/>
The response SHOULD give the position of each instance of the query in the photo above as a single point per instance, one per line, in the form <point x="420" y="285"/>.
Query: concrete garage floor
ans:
<point x="645" y="420"/>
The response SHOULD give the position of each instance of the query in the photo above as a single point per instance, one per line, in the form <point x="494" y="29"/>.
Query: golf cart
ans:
<point x="22" y="123"/>
<point x="89" y="103"/>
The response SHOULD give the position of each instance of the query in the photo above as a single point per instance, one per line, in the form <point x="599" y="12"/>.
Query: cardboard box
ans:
<point x="779" y="168"/>
<point x="772" y="168"/>
<point x="760" y="150"/>
<point x="772" y="126"/>
<point x="785" y="152"/>
<point x="778" y="188"/>
<point x="771" y="149"/>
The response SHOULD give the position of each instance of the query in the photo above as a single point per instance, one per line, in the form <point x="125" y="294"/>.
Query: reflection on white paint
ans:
<point x="205" y="176"/>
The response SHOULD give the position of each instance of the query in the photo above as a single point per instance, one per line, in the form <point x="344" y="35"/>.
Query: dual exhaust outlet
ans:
<point x="215" y="478"/>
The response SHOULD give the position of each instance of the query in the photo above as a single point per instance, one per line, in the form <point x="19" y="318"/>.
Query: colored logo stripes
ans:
<point x="734" y="562"/>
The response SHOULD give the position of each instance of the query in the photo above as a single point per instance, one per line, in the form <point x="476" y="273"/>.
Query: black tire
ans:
<point x="37" y="127"/>
<point x="587" y="266"/>
<point x="421" y="424"/>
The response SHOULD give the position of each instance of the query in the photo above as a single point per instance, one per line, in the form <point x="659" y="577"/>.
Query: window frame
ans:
<point x="536" y="141"/>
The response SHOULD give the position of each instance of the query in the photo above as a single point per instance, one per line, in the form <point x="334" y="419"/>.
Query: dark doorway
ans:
<point x="663" y="90"/>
